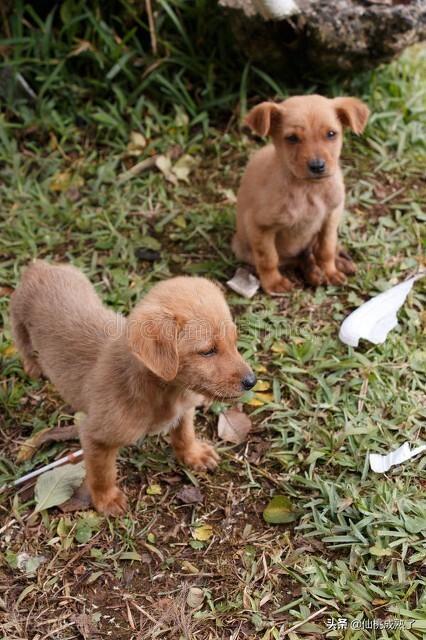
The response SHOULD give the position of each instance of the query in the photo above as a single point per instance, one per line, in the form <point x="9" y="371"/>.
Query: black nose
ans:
<point x="316" y="166"/>
<point x="248" y="381"/>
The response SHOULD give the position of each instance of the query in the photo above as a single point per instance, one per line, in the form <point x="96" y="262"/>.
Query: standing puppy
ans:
<point x="291" y="197"/>
<point x="131" y="377"/>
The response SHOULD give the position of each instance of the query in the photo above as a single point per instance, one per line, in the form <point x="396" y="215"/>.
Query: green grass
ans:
<point x="358" y="547"/>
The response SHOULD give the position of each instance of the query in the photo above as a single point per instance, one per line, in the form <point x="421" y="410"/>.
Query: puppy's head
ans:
<point x="307" y="131"/>
<point x="182" y="331"/>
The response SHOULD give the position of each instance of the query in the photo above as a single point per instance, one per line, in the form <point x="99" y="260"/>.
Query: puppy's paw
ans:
<point x="32" y="368"/>
<point x="315" y="277"/>
<point x="345" y="264"/>
<point x="335" y="277"/>
<point x="110" y="503"/>
<point x="201" y="456"/>
<point x="280" y="285"/>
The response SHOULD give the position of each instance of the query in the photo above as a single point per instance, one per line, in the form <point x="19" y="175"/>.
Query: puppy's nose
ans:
<point x="317" y="165"/>
<point x="248" y="381"/>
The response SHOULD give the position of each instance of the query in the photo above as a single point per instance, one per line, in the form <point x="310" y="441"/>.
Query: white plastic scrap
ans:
<point x="244" y="283"/>
<point x="381" y="464"/>
<point x="375" y="318"/>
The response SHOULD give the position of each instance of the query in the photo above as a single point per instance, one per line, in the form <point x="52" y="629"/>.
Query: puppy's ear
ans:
<point x="264" y="118"/>
<point x="152" y="336"/>
<point x="352" y="113"/>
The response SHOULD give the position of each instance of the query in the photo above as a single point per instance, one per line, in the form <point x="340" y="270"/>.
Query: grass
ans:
<point x="357" y="550"/>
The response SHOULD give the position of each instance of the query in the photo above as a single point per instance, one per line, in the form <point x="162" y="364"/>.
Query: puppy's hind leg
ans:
<point x="24" y="345"/>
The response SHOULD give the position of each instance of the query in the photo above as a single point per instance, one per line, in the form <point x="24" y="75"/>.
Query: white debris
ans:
<point x="381" y="464"/>
<point x="244" y="283"/>
<point x="268" y="9"/>
<point x="375" y="318"/>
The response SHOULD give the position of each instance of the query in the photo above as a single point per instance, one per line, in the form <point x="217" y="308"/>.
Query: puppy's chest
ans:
<point x="168" y="413"/>
<point x="303" y="210"/>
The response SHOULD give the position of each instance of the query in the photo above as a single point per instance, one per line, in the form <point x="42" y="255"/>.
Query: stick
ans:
<point x="71" y="457"/>
<point x="302" y="622"/>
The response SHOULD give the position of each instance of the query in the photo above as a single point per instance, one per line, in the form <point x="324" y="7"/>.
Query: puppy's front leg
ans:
<point x="101" y="477"/>
<point x="326" y="250"/>
<point x="188" y="449"/>
<point x="267" y="261"/>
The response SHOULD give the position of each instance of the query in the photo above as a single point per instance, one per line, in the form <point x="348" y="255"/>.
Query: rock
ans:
<point x="326" y="36"/>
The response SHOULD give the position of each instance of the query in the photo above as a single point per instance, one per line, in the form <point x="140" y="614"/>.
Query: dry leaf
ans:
<point x="164" y="164"/>
<point x="64" y="180"/>
<point x="79" y="501"/>
<point x="203" y="532"/>
<point x="233" y="426"/>
<point x="56" y="486"/>
<point x="190" y="494"/>
<point x="136" y="145"/>
<point x="5" y="291"/>
<point x="195" y="597"/>
<point x="260" y="399"/>
<point x="262" y="385"/>
<point x="57" y="434"/>
<point x="183" y="167"/>
<point x="81" y="47"/>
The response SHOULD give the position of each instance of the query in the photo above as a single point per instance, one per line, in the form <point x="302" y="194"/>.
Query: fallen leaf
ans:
<point x="5" y="291"/>
<point x="183" y="167"/>
<point x="262" y="385"/>
<point x="233" y="426"/>
<point x="280" y="511"/>
<point x="64" y="180"/>
<point x="259" y="399"/>
<point x="164" y="164"/>
<point x="29" y="564"/>
<point x="154" y="490"/>
<point x="137" y="144"/>
<point x="56" y="486"/>
<point x="189" y="567"/>
<point x="57" y="434"/>
<point x="190" y="495"/>
<point x="277" y="347"/>
<point x="203" y="532"/>
<point x="81" y="47"/>
<point x="79" y="501"/>
<point x="195" y="597"/>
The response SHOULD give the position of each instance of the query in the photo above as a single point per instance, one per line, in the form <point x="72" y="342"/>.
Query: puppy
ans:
<point x="291" y="197"/>
<point x="131" y="377"/>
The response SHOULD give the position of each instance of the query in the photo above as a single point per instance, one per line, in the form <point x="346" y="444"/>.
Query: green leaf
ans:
<point x="280" y="511"/>
<point x="57" y="486"/>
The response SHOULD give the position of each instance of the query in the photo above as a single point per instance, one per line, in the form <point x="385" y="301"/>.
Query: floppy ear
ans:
<point x="352" y="113"/>
<point x="152" y="336"/>
<point x="264" y="118"/>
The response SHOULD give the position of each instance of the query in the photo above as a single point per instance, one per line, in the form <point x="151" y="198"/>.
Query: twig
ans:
<point x="71" y="457"/>
<point x="302" y="622"/>
<point x="148" y="163"/>
<point x="151" y="23"/>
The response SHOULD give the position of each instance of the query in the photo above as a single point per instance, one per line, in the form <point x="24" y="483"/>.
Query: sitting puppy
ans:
<point x="131" y="377"/>
<point x="291" y="197"/>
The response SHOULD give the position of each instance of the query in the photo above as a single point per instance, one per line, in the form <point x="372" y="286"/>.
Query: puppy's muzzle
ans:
<point x="317" y="166"/>
<point x="248" y="381"/>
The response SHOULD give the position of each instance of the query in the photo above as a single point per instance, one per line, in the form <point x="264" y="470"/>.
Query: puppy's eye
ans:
<point x="209" y="353"/>
<point x="331" y="134"/>
<point x="293" y="139"/>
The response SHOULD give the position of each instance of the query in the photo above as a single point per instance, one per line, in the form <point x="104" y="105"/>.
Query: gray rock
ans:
<point x="330" y="36"/>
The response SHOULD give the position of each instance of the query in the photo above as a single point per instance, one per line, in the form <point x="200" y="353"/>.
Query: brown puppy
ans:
<point x="291" y="197"/>
<point x="131" y="377"/>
